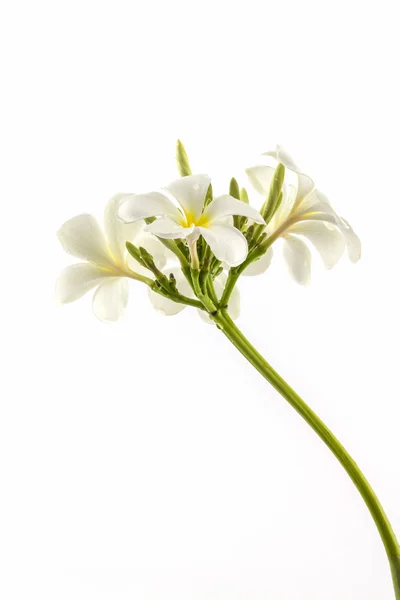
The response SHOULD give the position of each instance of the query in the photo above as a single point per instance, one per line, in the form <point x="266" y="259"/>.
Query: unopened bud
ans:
<point x="244" y="195"/>
<point x="234" y="189"/>
<point x="182" y="160"/>
<point x="271" y="204"/>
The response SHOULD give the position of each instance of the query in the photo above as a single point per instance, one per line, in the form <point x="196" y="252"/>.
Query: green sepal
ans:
<point x="182" y="160"/>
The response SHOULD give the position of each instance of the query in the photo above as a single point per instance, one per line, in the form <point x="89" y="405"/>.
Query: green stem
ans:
<point x="176" y="297"/>
<point x="203" y="297"/>
<point x="392" y="547"/>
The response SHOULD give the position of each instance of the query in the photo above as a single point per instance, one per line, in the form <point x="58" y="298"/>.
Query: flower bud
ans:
<point x="182" y="160"/>
<point x="274" y="196"/>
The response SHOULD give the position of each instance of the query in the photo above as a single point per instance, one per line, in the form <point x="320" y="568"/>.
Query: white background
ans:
<point x="146" y="459"/>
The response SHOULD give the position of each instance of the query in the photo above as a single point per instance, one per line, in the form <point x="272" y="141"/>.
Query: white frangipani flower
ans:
<point x="168" y="307"/>
<point x="305" y="212"/>
<point x="188" y="219"/>
<point x="106" y="262"/>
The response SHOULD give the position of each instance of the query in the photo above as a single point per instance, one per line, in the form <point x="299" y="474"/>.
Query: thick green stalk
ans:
<point x="386" y="532"/>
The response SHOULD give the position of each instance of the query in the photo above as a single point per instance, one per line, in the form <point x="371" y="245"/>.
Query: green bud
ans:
<point x="133" y="251"/>
<point x="182" y="160"/>
<point x="147" y="259"/>
<point x="244" y="196"/>
<point x="219" y="271"/>
<point x="234" y="189"/>
<point x="248" y="234"/>
<point x="172" y="282"/>
<point x="274" y="196"/>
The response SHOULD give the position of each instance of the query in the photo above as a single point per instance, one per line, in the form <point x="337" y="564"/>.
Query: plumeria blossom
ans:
<point x="188" y="219"/>
<point x="106" y="265"/>
<point x="304" y="212"/>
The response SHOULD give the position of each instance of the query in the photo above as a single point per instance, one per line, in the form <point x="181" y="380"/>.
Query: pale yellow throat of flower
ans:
<point x="188" y="219"/>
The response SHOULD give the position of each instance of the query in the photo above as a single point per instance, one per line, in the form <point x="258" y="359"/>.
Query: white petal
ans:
<point x="322" y="210"/>
<point x="190" y="192"/>
<point x="260" y="178"/>
<point x="117" y="232"/>
<point x="224" y="206"/>
<point x="76" y="280"/>
<point x="283" y="157"/>
<point x="227" y="243"/>
<point x="285" y="208"/>
<point x="261" y="265"/>
<point x="328" y="241"/>
<point x="110" y="299"/>
<point x="305" y="186"/>
<point x="82" y="237"/>
<point x="298" y="259"/>
<point x="136" y="207"/>
<point x="352" y="240"/>
<point x="168" y="229"/>
<point x="164" y="305"/>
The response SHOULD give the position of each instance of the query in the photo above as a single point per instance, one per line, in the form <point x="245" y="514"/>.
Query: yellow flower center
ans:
<point x="188" y="219"/>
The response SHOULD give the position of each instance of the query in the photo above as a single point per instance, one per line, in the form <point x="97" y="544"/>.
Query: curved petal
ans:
<point x="142" y="206"/>
<point x="298" y="259"/>
<point x="283" y="157"/>
<point x="110" y="299"/>
<point x="285" y="208"/>
<point x="261" y="265"/>
<point x="224" y="206"/>
<point x="353" y="242"/>
<point x="82" y="237"/>
<point x="168" y="229"/>
<point x="260" y="178"/>
<point x="190" y="192"/>
<point x="164" y="305"/>
<point x="305" y="186"/>
<point x="226" y="243"/>
<point x="321" y="210"/>
<point x="74" y="281"/>
<point x="328" y="241"/>
<point x="117" y="232"/>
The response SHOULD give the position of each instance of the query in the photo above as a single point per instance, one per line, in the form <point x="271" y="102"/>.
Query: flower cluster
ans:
<point x="190" y="248"/>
